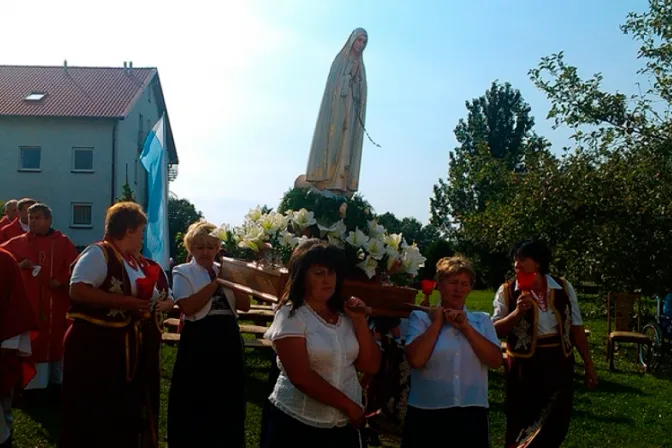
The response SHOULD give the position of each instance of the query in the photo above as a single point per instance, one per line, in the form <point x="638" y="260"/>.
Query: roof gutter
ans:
<point x="113" y="180"/>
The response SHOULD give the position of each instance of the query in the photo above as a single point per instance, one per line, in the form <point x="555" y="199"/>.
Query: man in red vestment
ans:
<point x="11" y="212"/>
<point x="20" y="224"/>
<point x="45" y="256"/>
<point x="17" y="320"/>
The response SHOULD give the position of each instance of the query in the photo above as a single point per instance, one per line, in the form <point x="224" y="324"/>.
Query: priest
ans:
<point x="20" y="224"/>
<point x="17" y="320"/>
<point x="11" y="212"/>
<point x="45" y="256"/>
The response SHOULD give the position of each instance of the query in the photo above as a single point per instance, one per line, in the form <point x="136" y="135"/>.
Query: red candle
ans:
<point x="525" y="280"/>
<point x="427" y="286"/>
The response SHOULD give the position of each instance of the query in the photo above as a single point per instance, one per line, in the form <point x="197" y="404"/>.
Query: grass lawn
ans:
<point x="628" y="410"/>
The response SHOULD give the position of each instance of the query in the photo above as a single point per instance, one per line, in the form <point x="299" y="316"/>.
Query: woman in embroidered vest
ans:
<point x="206" y="401"/>
<point x="450" y="350"/>
<point x="321" y="341"/>
<point x="111" y="351"/>
<point x="542" y="326"/>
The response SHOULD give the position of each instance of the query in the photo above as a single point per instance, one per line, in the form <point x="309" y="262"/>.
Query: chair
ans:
<point x="623" y="305"/>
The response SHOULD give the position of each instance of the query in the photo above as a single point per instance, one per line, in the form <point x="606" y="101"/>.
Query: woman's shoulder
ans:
<point x="419" y="315"/>
<point x="93" y="250"/>
<point x="183" y="268"/>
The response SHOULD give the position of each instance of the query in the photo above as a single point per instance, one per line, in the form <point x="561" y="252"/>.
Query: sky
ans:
<point x="243" y="80"/>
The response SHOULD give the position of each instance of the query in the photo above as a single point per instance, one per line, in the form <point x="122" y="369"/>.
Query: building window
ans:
<point x="30" y="158"/>
<point x="81" y="215"/>
<point x="82" y="160"/>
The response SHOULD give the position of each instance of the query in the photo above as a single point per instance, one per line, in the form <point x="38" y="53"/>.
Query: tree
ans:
<point x="495" y="140"/>
<point x="605" y="206"/>
<point x="126" y="194"/>
<point x="181" y="214"/>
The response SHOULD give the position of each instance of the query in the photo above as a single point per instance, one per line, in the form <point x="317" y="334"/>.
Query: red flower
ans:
<point x="427" y="286"/>
<point x="525" y="280"/>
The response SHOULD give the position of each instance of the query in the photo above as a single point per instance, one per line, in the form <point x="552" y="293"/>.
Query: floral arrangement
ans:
<point x="269" y="239"/>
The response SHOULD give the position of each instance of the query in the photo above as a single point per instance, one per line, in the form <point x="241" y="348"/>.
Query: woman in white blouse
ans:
<point x="450" y="350"/>
<point x="321" y="341"/>
<point x="206" y="401"/>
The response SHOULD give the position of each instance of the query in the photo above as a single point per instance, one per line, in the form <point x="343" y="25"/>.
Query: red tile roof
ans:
<point x="72" y="91"/>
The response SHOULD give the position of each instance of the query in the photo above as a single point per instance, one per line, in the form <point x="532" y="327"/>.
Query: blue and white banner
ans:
<point x="154" y="158"/>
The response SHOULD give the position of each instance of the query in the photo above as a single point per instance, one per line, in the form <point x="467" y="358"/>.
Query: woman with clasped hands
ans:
<point x="450" y="350"/>
<point x="321" y="341"/>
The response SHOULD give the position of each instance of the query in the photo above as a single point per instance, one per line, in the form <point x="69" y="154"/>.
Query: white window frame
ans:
<point x="72" y="215"/>
<point x="82" y="148"/>
<point x="30" y="170"/>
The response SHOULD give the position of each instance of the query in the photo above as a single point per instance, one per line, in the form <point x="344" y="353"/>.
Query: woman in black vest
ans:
<point x="542" y="326"/>
<point x="111" y="384"/>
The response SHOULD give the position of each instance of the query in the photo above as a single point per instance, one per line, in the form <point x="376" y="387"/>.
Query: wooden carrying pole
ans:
<point x="263" y="296"/>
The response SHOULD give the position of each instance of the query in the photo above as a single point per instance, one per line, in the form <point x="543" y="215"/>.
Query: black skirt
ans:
<point x="539" y="399"/>
<point x="206" y="401"/>
<point x="283" y="431"/>
<point x="457" y="426"/>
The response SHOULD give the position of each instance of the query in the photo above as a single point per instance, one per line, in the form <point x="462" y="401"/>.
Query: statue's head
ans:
<point x="358" y="40"/>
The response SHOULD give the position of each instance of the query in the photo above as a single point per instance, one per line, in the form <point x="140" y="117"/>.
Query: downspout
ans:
<point x="114" y="163"/>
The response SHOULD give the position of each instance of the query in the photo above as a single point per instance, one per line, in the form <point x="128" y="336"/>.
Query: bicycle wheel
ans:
<point x="652" y="330"/>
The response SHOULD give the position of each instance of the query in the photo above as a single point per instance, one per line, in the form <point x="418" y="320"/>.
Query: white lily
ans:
<point x="337" y="229"/>
<point x="412" y="259"/>
<point x="303" y="218"/>
<point x="270" y="223"/>
<point x="376" y="229"/>
<point x="253" y="239"/>
<point x="287" y="239"/>
<point x="376" y="248"/>
<point x="221" y="232"/>
<point x="254" y="214"/>
<point x="369" y="266"/>
<point x="393" y="240"/>
<point x="357" y="238"/>
<point x="335" y="241"/>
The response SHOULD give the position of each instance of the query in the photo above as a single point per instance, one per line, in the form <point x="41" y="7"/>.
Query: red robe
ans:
<point x="4" y="221"/>
<point x="17" y="316"/>
<point x="10" y="231"/>
<point x="55" y="253"/>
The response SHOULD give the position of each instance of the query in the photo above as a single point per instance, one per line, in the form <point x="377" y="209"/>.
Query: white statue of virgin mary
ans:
<point x="336" y="151"/>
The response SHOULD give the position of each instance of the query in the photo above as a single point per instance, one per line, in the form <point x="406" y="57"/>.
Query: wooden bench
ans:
<point x="261" y="307"/>
<point x="257" y="330"/>
<point x="257" y="316"/>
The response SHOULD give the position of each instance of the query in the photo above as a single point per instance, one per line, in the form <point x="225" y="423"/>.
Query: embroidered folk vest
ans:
<point x="116" y="282"/>
<point x="522" y="340"/>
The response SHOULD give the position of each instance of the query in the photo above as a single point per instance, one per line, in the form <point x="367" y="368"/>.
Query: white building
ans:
<point x="71" y="137"/>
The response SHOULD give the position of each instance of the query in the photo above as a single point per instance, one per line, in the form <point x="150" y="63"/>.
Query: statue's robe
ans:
<point x="336" y="150"/>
